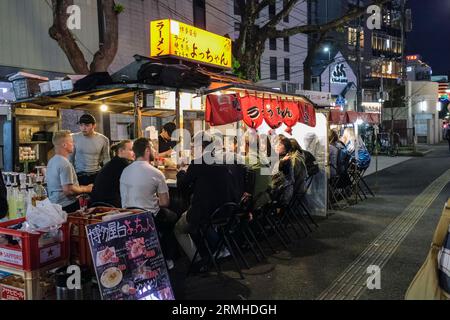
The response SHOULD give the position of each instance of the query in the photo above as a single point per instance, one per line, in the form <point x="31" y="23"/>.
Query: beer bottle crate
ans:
<point x="80" y="252"/>
<point x="29" y="285"/>
<point x="34" y="250"/>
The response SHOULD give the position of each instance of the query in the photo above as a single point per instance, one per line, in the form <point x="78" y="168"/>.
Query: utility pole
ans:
<point x="403" y="61"/>
<point x="358" y="64"/>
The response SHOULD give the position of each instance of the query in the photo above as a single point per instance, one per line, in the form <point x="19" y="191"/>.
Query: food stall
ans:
<point x="186" y="100"/>
<point x="365" y="124"/>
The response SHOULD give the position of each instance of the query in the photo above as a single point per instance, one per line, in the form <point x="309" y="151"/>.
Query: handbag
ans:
<point x="444" y="264"/>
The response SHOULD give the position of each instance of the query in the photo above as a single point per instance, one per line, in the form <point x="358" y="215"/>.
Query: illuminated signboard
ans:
<point x="172" y="38"/>
<point x="413" y="57"/>
<point x="339" y="75"/>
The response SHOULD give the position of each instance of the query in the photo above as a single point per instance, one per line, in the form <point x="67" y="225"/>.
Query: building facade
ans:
<point x="380" y="50"/>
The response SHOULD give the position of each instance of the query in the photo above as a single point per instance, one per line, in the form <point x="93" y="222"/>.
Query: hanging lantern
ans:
<point x="272" y="114"/>
<point x="290" y="114"/>
<point x="252" y="110"/>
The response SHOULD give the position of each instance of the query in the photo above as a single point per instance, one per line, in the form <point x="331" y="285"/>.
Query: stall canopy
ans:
<point x="348" y="117"/>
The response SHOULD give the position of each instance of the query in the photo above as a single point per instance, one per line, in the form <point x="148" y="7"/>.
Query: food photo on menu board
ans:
<point x="129" y="263"/>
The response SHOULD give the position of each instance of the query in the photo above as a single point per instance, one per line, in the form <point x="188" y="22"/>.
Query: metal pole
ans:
<point x="138" y="105"/>
<point x="358" y="59"/>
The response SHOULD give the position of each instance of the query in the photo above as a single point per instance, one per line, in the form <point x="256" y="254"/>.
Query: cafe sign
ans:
<point x="172" y="38"/>
<point x="339" y="75"/>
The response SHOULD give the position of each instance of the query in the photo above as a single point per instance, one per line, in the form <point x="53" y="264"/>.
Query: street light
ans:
<point x="327" y="49"/>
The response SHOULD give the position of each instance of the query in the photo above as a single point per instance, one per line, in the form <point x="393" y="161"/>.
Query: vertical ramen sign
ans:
<point x="128" y="260"/>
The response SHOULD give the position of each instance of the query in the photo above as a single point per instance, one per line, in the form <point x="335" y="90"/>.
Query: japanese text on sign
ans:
<point x="117" y="229"/>
<point x="173" y="38"/>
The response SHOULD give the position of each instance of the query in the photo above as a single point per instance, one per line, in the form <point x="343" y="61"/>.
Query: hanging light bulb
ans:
<point x="104" y="107"/>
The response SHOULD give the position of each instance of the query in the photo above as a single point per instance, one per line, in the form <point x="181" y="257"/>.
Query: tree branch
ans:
<point x="242" y="7"/>
<point x="307" y="29"/>
<point x="61" y="34"/>
<point x="263" y="4"/>
<point x="280" y="15"/>
<point x="108" y="50"/>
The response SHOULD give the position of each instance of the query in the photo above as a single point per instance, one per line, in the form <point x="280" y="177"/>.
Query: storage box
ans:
<point x="29" y="255"/>
<point x="26" y="88"/>
<point x="55" y="85"/>
<point x="67" y="85"/>
<point x="80" y="253"/>
<point x="30" y="285"/>
<point x="45" y="87"/>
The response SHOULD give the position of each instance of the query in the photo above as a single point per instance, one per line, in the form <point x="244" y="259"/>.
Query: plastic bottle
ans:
<point x="39" y="190"/>
<point x="22" y="196"/>
<point x="14" y="194"/>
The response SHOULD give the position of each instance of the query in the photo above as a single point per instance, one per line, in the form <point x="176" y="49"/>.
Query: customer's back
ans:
<point x="211" y="186"/>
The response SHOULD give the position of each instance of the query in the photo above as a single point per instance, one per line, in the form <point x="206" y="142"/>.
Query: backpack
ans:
<point x="363" y="160"/>
<point x="91" y="81"/>
<point x="311" y="164"/>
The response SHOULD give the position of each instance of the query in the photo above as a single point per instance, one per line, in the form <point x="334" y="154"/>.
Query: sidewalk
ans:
<point x="383" y="162"/>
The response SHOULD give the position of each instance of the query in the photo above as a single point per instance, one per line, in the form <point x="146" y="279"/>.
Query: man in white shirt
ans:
<point x="91" y="150"/>
<point x="144" y="186"/>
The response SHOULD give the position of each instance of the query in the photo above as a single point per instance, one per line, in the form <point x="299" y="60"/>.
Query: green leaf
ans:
<point x="118" y="8"/>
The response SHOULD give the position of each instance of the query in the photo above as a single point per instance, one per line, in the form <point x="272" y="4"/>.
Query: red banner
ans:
<point x="307" y="114"/>
<point x="337" y="117"/>
<point x="222" y="109"/>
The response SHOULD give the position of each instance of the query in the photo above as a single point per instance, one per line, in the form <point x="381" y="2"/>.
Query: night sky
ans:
<point x="431" y="33"/>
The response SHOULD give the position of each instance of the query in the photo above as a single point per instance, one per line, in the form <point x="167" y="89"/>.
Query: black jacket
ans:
<point x="3" y="200"/>
<point x="107" y="183"/>
<point x="211" y="186"/>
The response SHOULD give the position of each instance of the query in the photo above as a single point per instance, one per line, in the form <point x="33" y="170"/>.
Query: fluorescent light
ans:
<point x="103" y="108"/>
<point x="174" y="27"/>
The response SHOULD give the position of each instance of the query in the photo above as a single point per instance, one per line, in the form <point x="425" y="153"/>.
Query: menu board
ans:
<point x="128" y="260"/>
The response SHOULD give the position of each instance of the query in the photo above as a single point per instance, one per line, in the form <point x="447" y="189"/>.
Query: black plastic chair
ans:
<point x="224" y="221"/>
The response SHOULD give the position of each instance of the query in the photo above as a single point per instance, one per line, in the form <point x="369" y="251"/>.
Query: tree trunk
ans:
<point x="307" y="72"/>
<point x="107" y="51"/>
<point x="61" y="33"/>
<point x="308" y="63"/>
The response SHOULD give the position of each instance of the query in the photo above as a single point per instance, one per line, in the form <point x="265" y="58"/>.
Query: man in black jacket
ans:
<point x="211" y="185"/>
<point x="107" y="183"/>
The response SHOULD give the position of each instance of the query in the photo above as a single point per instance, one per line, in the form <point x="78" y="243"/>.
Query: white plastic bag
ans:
<point x="46" y="216"/>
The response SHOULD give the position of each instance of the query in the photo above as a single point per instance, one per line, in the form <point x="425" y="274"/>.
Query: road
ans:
<point x="393" y="230"/>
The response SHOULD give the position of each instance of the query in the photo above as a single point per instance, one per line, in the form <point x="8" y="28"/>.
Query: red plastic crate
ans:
<point x="28" y="256"/>
<point x="80" y="252"/>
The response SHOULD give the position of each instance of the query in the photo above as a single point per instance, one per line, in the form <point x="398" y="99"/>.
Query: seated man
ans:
<point x="107" y="183"/>
<point x="144" y="186"/>
<point x="62" y="181"/>
<point x="211" y="186"/>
